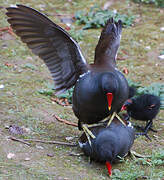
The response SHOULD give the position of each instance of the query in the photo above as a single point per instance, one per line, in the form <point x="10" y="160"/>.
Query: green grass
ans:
<point x="142" y="168"/>
<point x="23" y="105"/>
<point x="159" y="3"/>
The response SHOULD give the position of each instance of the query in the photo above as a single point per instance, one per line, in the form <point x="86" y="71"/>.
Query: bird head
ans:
<point x="126" y="104"/>
<point x="105" y="149"/>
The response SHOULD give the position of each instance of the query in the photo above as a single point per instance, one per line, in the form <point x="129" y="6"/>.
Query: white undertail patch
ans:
<point x="130" y="125"/>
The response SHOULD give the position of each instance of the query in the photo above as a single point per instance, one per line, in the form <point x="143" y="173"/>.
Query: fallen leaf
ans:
<point x="8" y="29"/>
<point x="137" y="20"/>
<point x="125" y="70"/>
<point x="27" y="159"/>
<point x="50" y="154"/>
<point x="1" y="86"/>
<point x="125" y="52"/>
<point x="14" y="129"/>
<point x="10" y="155"/>
<point x="161" y="57"/>
<point x="61" y="101"/>
<point x="162" y="29"/>
<point x="8" y="64"/>
<point x="69" y="138"/>
<point x="121" y="58"/>
<point x="67" y="28"/>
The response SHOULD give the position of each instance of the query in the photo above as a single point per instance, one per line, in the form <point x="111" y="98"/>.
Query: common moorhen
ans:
<point x="145" y="108"/>
<point x="132" y="92"/>
<point x="100" y="89"/>
<point x="110" y="144"/>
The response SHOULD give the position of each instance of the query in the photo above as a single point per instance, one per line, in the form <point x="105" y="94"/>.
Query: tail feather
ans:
<point x="109" y="42"/>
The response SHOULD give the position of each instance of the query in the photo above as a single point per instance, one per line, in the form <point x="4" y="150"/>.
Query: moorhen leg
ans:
<point x="109" y="99"/>
<point x="88" y="133"/>
<point x="118" y="117"/>
<point x="143" y="134"/>
<point x="146" y="129"/>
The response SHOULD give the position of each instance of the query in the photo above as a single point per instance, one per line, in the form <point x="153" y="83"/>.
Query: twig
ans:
<point x="19" y="140"/>
<point x="41" y="141"/>
<point x="74" y="154"/>
<point x="62" y="101"/>
<point x="64" y="121"/>
<point x="9" y="29"/>
<point x="121" y="58"/>
<point x="4" y="29"/>
<point x="51" y="142"/>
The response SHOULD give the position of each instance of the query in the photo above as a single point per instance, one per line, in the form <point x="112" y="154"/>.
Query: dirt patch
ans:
<point x="21" y="104"/>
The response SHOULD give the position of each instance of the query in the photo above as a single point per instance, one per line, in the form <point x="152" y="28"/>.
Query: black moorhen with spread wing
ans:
<point x="100" y="89"/>
<point x="145" y="108"/>
<point x="110" y="143"/>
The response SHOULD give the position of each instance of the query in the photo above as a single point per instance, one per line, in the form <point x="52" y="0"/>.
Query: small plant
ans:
<point x="49" y="91"/>
<point x="133" y="171"/>
<point x="134" y="84"/>
<point x="130" y="173"/>
<point x="156" y="89"/>
<point x="157" y="159"/>
<point x="67" y="94"/>
<point x="159" y="3"/>
<point x="98" y="17"/>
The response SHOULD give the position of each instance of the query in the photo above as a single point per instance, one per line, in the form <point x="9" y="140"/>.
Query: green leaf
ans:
<point x="97" y="18"/>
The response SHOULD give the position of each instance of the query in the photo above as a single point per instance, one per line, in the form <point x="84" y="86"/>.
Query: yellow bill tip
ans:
<point x="109" y="107"/>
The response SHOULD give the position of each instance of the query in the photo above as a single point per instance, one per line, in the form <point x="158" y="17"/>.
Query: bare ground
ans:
<point x="22" y="105"/>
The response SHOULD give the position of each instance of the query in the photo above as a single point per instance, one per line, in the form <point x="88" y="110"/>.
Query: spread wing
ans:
<point x="109" y="42"/>
<point x="51" y="43"/>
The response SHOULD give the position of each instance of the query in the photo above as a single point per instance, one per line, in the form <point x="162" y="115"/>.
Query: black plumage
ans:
<point x="132" y="92"/>
<point x="110" y="143"/>
<point x="144" y="108"/>
<point x="51" y="43"/>
<point x="68" y="67"/>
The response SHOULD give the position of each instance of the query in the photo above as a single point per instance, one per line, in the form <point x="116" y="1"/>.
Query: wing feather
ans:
<point x="51" y="43"/>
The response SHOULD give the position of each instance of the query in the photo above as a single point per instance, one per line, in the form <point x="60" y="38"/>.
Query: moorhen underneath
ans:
<point x="100" y="89"/>
<point x="110" y="143"/>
